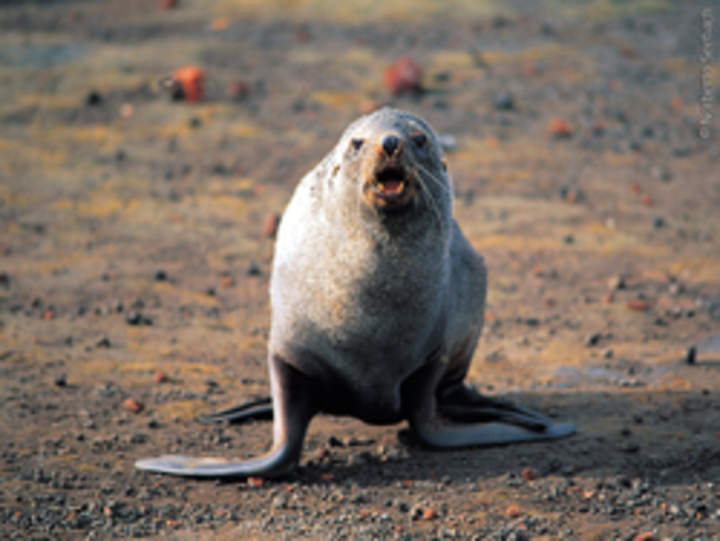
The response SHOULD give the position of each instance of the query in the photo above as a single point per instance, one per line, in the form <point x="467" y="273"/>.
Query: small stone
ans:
<point x="93" y="98"/>
<point x="255" y="481"/>
<point x="617" y="282"/>
<point x="160" y="275"/>
<point x="661" y="173"/>
<point x="639" y="305"/>
<point x="645" y="536"/>
<point x="60" y="381"/>
<point x="691" y="355"/>
<point x="238" y="90"/>
<point x="404" y="76"/>
<point x="188" y="83"/>
<point x="271" y="224"/>
<point x="658" y="222"/>
<point x="160" y="376"/>
<point x="513" y="511"/>
<point x="504" y="102"/>
<point x="429" y="513"/>
<point x="559" y="128"/>
<point x="133" y="405"/>
<point x="253" y="269"/>
<point x="137" y="318"/>
<point x="593" y="339"/>
<point x="528" y="474"/>
<point x="104" y="342"/>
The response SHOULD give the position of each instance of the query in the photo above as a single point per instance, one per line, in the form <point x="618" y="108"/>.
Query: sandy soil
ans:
<point x="133" y="244"/>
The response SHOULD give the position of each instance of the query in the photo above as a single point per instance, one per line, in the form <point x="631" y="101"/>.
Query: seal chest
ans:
<point x="377" y="305"/>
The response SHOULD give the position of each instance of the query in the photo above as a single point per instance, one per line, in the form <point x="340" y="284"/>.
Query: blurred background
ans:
<point x="147" y="150"/>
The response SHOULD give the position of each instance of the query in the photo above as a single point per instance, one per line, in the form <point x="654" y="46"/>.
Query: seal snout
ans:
<point x="390" y="143"/>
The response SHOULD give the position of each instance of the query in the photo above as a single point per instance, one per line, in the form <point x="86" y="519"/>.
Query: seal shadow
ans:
<point x="668" y="436"/>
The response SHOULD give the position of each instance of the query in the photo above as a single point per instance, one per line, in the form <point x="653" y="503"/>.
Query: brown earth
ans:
<point x="132" y="241"/>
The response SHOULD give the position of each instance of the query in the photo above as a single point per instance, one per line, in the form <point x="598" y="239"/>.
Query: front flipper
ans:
<point x="293" y="402"/>
<point x="510" y="423"/>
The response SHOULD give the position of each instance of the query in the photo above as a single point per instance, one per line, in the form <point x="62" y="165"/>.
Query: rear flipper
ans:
<point x="261" y="408"/>
<point x="463" y="404"/>
<point x="293" y="401"/>
<point x="477" y="420"/>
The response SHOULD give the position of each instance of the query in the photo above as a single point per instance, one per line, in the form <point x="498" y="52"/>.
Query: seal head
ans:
<point x="394" y="160"/>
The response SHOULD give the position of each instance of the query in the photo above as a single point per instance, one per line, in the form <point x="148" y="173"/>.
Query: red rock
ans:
<point x="648" y="200"/>
<point x="191" y="79"/>
<point x="559" y="128"/>
<point x="133" y="405"/>
<point x="644" y="536"/>
<point x="270" y="225"/>
<point x="227" y="281"/>
<point x="48" y="314"/>
<point x="639" y="305"/>
<point x="238" y="90"/>
<point x="255" y="481"/>
<point x="429" y="513"/>
<point x="528" y="474"/>
<point x="169" y="4"/>
<point x="302" y="35"/>
<point x="160" y="376"/>
<point x="403" y="76"/>
<point x="513" y="511"/>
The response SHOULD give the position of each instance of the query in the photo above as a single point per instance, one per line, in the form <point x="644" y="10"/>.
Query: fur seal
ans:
<point x="377" y="306"/>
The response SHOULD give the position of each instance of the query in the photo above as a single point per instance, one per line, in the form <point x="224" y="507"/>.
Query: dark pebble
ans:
<point x="504" y="102"/>
<point x="210" y="291"/>
<point x="253" y="269"/>
<point x="60" y="381"/>
<point x="593" y="339"/>
<point x="195" y="122"/>
<point x="661" y="173"/>
<point x="568" y="239"/>
<point x="137" y="318"/>
<point x="120" y="155"/>
<point x="658" y="222"/>
<point x="691" y="355"/>
<point x="682" y="152"/>
<point x="160" y="275"/>
<point x="104" y="342"/>
<point x="4" y="280"/>
<point x="93" y="98"/>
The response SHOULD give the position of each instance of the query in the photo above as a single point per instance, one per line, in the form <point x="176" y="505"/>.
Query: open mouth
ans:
<point x="390" y="182"/>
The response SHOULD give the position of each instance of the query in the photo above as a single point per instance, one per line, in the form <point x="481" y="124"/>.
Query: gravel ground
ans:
<point x="136" y="241"/>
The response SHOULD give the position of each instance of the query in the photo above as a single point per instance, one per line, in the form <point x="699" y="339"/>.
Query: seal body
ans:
<point x="377" y="304"/>
<point x="365" y="294"/>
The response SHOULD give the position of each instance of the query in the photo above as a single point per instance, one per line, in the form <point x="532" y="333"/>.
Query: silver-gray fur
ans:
<point x="377" y="306"/>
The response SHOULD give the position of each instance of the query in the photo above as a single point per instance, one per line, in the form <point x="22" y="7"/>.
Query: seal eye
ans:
<point x="357" y="143"/>
<point x="419" y="139"/>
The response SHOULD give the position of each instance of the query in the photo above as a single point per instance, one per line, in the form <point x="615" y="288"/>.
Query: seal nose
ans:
<point x="390" y="143"/>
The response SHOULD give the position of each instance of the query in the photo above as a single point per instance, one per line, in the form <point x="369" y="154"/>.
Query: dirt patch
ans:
<point x="133" y="241"/>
